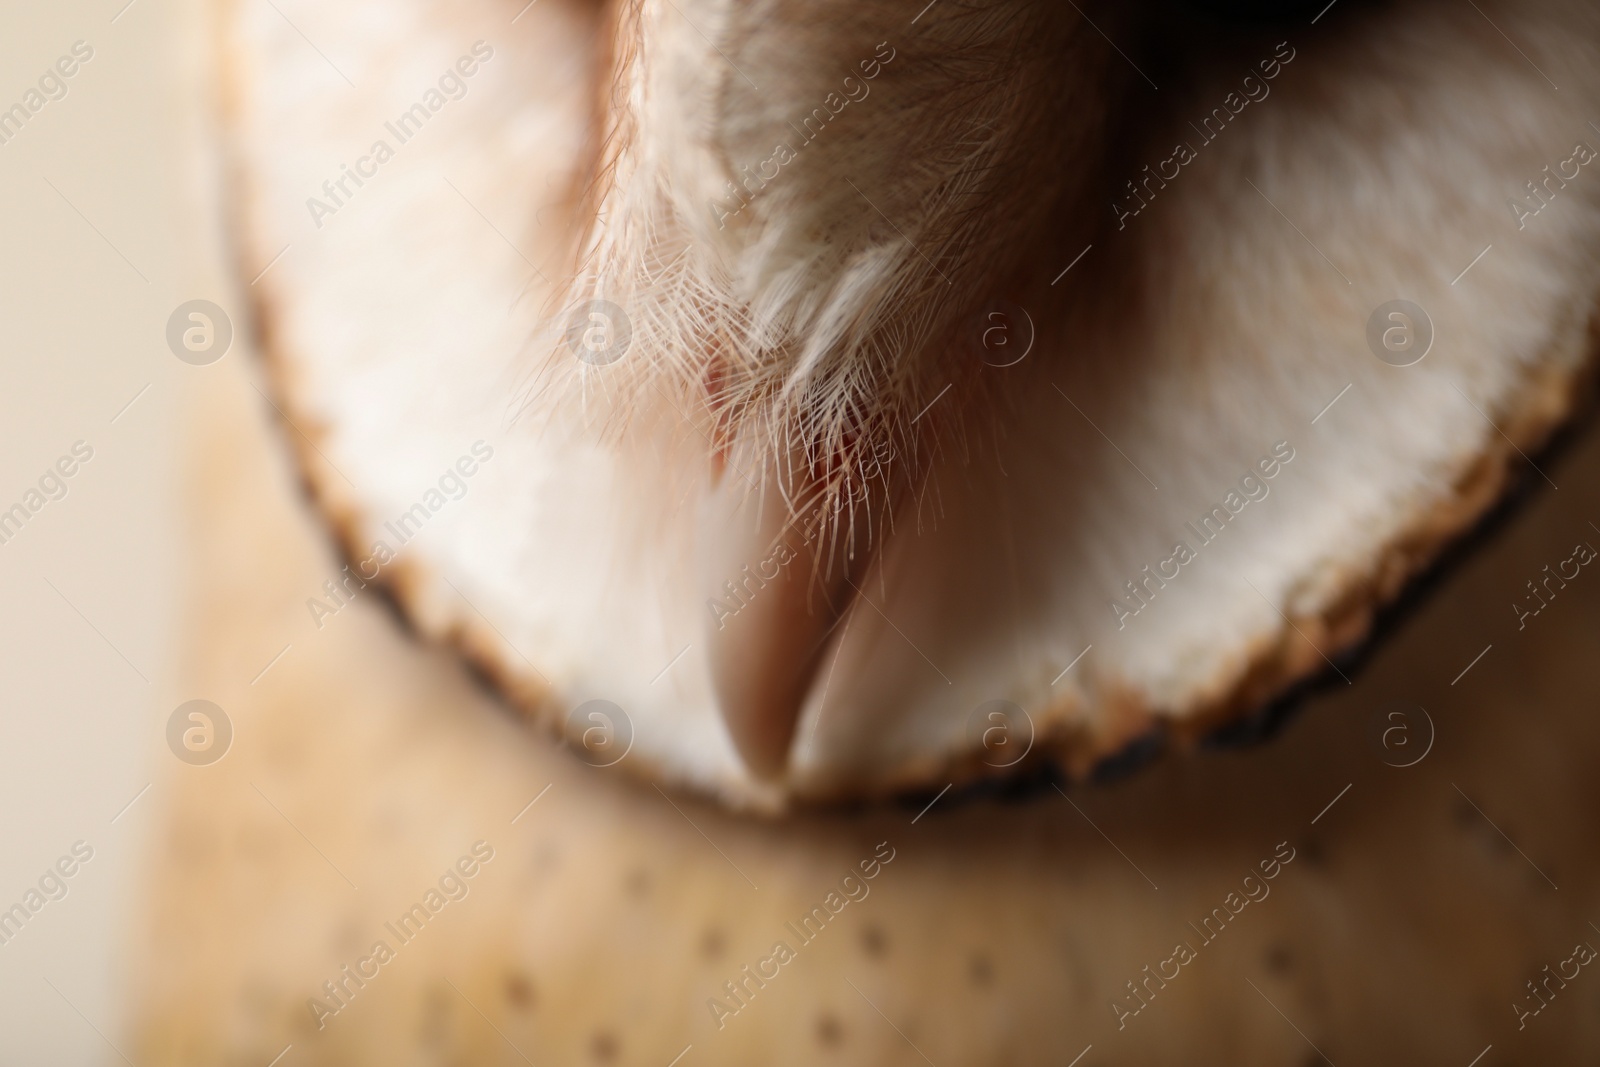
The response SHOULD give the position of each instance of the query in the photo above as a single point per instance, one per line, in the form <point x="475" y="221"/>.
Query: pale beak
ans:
<point x="779" y="568"/>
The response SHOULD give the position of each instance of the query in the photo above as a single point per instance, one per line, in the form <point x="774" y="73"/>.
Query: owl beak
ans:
<point x="780" y="570"/>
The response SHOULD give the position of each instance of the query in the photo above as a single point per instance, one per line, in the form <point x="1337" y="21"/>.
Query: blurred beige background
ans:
<point x="105" y="233"/>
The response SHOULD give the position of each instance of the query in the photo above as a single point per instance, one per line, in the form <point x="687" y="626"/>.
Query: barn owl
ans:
<point x="809" y="402"/>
